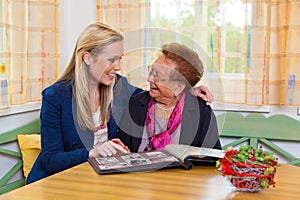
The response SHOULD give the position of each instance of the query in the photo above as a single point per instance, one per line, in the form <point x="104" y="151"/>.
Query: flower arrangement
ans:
<point x="248" y="169"/>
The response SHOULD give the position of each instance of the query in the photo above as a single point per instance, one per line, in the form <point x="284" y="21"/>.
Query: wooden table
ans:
<point x="81" y="182"/>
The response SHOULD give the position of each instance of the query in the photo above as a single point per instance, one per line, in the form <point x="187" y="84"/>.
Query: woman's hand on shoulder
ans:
<point x="204" y="93"/>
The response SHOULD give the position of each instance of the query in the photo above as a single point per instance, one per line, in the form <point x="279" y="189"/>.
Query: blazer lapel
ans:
<point x="190" y="120"/>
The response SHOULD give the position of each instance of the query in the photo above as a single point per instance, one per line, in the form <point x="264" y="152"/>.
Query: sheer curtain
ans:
<point x="249" y="47"/>
<point x="29" y="49"/>
<point x="284" y="52"/>
<point x="274" y="53"/>
<point x="131" y="18"/>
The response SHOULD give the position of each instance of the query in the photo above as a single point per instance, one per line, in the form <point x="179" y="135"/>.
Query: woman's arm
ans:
<point x="58" y="133"/>
<point x="123" y="91"/>
<point x="199" y="91"/>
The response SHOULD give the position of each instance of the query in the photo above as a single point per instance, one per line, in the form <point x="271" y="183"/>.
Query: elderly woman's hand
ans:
<point x="204" y="93"/>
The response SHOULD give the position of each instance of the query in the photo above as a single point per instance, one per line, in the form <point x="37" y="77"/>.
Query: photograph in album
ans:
<point x="174" y="155"/>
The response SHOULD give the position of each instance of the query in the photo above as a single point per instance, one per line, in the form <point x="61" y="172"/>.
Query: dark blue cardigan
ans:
<point x="62" y="144"/>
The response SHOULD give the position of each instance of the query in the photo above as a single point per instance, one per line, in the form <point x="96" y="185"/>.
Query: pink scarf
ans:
<point x="159" y="141"/>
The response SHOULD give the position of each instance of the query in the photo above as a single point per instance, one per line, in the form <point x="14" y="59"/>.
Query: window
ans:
<point x="29" y="49"/>
<point x="248" y="47"/>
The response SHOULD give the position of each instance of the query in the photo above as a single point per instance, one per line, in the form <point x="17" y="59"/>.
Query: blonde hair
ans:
<point x="93" y="39"/>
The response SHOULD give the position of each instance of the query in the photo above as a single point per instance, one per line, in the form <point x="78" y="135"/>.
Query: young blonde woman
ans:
<point x="79" y="113"/>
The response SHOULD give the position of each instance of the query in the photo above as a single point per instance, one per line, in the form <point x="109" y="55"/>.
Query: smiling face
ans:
<point x="104" y="67"/>
<point x="163" y="87"/>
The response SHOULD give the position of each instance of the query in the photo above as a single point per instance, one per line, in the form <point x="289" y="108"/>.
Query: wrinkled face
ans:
<point x="162" y="84"/>
<point x="104" y="67"/>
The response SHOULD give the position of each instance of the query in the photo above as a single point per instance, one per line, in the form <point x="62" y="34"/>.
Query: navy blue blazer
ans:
<point x="64" y="146"/>
<point x="198" y="125"/>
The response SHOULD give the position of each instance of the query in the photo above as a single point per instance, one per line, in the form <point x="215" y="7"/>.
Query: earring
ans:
<point x="88" y="64"/>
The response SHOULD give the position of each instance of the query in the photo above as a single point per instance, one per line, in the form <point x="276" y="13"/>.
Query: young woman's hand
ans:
<point x="204" y="93"/>
<point x="109" y="148"/>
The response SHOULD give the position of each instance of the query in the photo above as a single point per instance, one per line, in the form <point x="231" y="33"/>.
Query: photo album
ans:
<point x="174" y="155"/>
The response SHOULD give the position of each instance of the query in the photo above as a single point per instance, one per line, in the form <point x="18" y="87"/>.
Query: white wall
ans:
<point x="75" y="15"/>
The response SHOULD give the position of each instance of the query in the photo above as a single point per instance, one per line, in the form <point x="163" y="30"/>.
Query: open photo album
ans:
<point x="174" y="155"/>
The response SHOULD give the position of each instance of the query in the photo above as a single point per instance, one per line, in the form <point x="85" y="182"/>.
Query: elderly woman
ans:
<point x="168" y="112"/>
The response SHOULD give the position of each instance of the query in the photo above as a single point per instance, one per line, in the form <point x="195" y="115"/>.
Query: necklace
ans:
<point x="165" y="109"/>
<point x="164" y="113"/>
